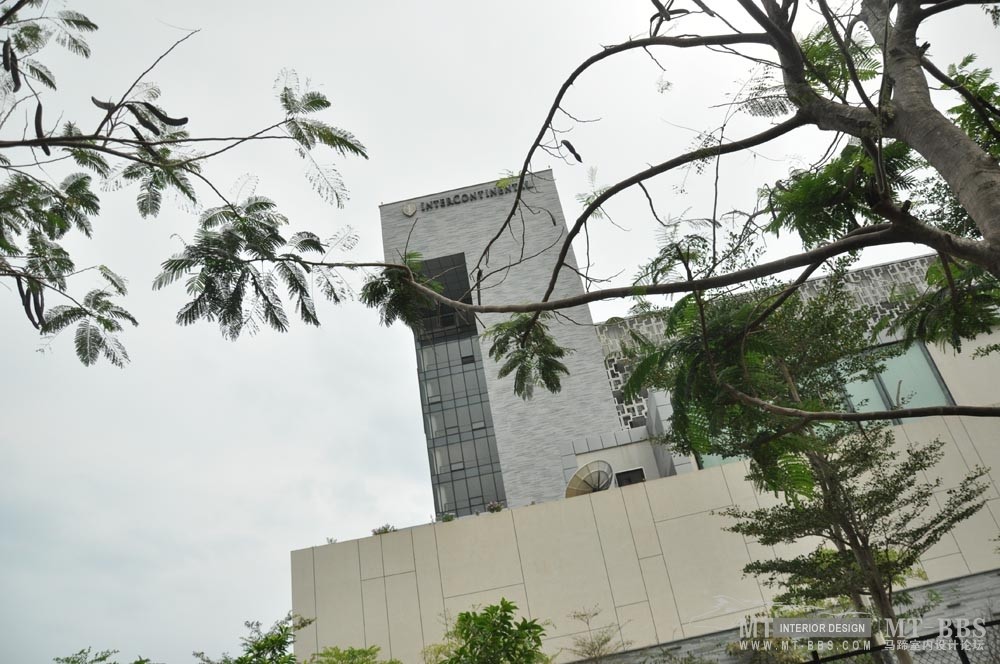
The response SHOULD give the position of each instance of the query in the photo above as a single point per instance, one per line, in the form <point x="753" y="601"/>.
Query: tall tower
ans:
<point x="484" y="442"/>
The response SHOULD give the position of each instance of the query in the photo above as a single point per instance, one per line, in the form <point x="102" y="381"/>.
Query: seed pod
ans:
<point x="39" y="301"/>
<point x="572" y="150"/>
<point x="143" y="120"/>
<point x="6" y="54"/>
<point x="142" y="140"/>
<point x="163" y="117"/>
<point x="14" y="73"/>
<point x="38" y="129"/>
<point x="103" y="105"/>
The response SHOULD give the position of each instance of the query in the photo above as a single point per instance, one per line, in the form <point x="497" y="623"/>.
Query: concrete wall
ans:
<point x="653" y="557"/>
<point x="532" y="437"/>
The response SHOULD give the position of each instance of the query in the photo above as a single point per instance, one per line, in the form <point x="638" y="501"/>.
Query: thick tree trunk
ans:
<point x="972" y="174"/>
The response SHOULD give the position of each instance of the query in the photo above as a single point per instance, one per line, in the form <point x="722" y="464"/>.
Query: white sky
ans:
<point x="152" y="509"/>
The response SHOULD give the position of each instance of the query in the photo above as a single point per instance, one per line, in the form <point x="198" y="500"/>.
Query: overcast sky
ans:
<point x="152" y="509"/>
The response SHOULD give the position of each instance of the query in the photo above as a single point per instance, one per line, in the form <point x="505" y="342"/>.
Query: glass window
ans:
<point x="489" y="488"/>
<point x="464" y="419"/>
<point x="910" y="380"/>
<point x="446" y="497"/>
<point x="436" y="424"/>
<point x="455" y="454"/>
<point x="427" y="360"/>
<point x="461" y="493"/>
<point x="469" y="453"/>
<point x="865" y="396"/>
<point x="432" y="388"/>
<point x="441" y="464"/>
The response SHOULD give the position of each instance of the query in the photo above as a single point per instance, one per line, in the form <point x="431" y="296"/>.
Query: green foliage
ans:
<point x="598" y="642"/>
<point x="350" y="656"/>
<point x="260" y="646"/>
<point x="392" y="292"/>
<point x="87" y="656"/>
<point x="493" y="636"/>
<point x="384" y="529"/>
<point x="987" y="91"/>
<point x="238" y="258"/>
<point x="309" y="133"/>
<point x="872" y="500"/>
<point x="962" y="301"/>
<point x="800" y="356"/>
<point x="824" y="203"/>
<point x="827" y="71"/>
<point x="525" y="348"/>
<point x="271" y="646"/>
<point x="227" y="278"/>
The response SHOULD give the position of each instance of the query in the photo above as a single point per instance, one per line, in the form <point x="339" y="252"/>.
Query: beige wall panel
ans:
<point x="397" y="552"/>
<point x="946" y="567"/>
<point x="704" y="563"/>
<point x="953" y="467"/>
<point x="405" y="632"/>
<point x="370" y="549"/>
<point x="661" y="599"/>
<point x="304" y="601"/>
<point x="681" y="495"/>
<point x="975" y="538"/>
<point x="946" y="546"/>
<point x="563" y="564"/>
<point x="640" y="518"/>
<point x="476" y="601"/>
<point x="462" y="546"/>
<point x="985" y="435"/>
<point x="338" y="595"/>
<point x="972" y="382"/>
<point x="560" y="649"/>
<point x="619" y="551"/>
<point x="741" y="491"/>
<point x="970" y="452"/>
<point x="637" y="626"/>
<point x="717" y="623"/>
<point x="375" y="614"/>
<point x="425" y="559"/>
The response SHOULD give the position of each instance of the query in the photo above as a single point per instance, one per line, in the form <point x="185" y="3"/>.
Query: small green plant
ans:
<point x="446" y="517"/>
<point x="382" y="530"/>
<point x="494" y="506"/>
<point x="597" y="643"/>
<point x="490" y="636"/>
<point x="335" y="655"/>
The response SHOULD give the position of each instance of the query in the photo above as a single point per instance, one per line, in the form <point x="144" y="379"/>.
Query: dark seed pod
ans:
<point x="38" y="129"/>
<point x="6" y="54"/>
<point x="143" y="120"/>
<point x="142" y="140"/>
<point x="39" y="301"/>
<point x="103" y="105"/>
<point x="14" y="73"/>
<point x="163" y="117"/>
<point x="26" y="301"/>
<point x="572" y="150"/>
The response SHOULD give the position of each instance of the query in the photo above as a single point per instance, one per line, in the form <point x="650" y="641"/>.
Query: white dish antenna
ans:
<point x="595" y="476"/>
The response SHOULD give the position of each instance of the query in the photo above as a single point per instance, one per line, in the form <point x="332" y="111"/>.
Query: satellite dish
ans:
<point x="595" y="476"/>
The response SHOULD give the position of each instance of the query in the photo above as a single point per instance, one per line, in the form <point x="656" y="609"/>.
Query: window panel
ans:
<point x="910" y="379"/>
<point x="865" y="396"/>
